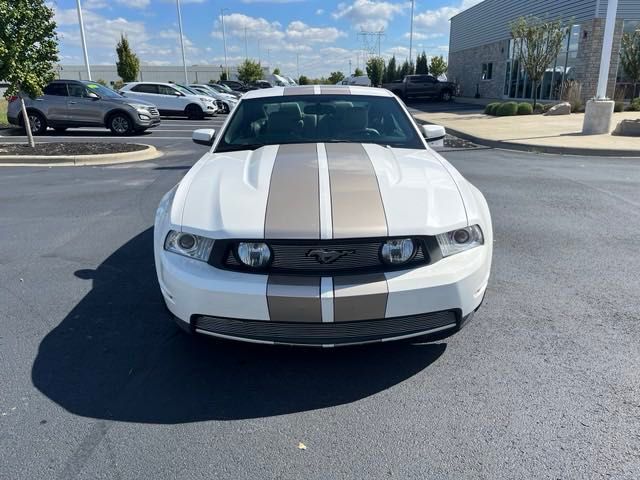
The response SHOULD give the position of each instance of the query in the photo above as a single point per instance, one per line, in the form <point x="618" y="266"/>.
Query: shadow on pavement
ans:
<point x="117" y="356"/>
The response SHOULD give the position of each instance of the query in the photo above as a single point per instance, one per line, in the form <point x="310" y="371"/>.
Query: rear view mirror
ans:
<point x="93" y="95"/>
<point x="433" y="134"/>
<point x="204" y="136"/>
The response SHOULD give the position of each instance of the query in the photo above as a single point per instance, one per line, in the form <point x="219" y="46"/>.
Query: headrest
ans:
<point x="292" y="108"/>
<point x="355" y="118"/>
<point x="284" y="122"/>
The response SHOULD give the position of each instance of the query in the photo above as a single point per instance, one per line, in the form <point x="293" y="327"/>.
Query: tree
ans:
<point x="406" y="69"/>
<point x="375" y="70"/>
<point x="358" y="73"/>
<point x="223" y="76"/>
<point x="303" y="80"/>
<point x="335" y="77"/>
<point x="128" y="64"/>
<point x="422" y="66"/>
<point x="28" y="50"/>
<point x="630" y="57"/>
<point x="276" y="71"/>
<point x="538" y="44"/>
<point x="390" y="72"/>
<point x="438" y="66"/>
<point x="249" y="71"/>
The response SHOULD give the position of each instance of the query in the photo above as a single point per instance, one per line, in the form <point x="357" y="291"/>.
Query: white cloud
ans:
<point x="134" y="3"/>
<point x="256" y="27"/>
<point x="369" y="14"/>
<point x="299" y="31"/>
<point x="100" y="31"/>
<point x="320" y="11"/>
<point x="434" y="23"/>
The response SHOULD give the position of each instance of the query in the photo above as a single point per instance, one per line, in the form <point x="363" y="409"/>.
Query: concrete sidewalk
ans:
<point x="549" y="134"/>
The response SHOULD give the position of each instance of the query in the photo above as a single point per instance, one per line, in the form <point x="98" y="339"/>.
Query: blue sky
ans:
<point x="321" y="34"/>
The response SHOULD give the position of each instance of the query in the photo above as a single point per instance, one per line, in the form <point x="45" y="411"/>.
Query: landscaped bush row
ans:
<point x="507" y="109"/>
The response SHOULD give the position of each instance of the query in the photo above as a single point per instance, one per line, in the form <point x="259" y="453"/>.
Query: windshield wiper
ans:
<point x="237" y="148"/>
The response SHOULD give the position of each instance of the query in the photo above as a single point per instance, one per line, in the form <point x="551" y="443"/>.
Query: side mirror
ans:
<point x="433" y="134"/>
<point x="93" y="96"/>
<point x="204" y="136"/>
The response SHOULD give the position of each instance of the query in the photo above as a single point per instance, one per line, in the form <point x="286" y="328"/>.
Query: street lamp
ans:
<point x="599" y="111"/>
<point x="184" y="60"/>
<point x="224" y="41"/>
<point x="82" y="39"/>
<point x="411" y="32"/>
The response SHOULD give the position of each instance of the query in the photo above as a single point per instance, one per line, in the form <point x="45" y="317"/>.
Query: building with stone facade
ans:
<point x="483" y="62"/>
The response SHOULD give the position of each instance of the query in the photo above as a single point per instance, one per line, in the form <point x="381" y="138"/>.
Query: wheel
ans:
<point x="120" y="124"/>
<point x="194" y="112"/>
<point x="37" y="122"/>
<point x="445" y="96"/>
<point x="60" y="130"/>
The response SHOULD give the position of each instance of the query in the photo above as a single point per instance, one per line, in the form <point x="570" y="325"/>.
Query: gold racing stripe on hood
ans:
<point x="356" y="202"/>
<point x="293" y="205"/>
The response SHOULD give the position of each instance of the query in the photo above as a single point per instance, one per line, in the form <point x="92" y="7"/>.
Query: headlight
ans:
<point x="140" y="107"/>
<point x="457" y="241"/>
<point x="206" y="100"/>
<point x="398" y="251"/>
<point x="254" y="254"/>
<point x="189" y="245"/>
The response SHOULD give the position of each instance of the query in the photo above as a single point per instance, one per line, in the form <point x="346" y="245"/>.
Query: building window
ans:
<point x="517" y="83"/>
<point x="487" y="71"/>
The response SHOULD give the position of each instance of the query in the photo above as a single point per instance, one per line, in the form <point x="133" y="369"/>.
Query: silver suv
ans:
<point x="73" y="103"/>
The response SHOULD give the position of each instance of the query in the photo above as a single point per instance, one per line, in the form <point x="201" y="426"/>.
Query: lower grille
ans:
<point x="325" y="333"/>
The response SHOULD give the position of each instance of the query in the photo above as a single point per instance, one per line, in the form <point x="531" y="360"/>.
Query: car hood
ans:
<point x="313" y="191"/>
<point x="131" y="101"/>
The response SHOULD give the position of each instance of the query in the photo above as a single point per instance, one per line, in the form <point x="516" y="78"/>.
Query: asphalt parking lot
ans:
<point x="98" y="384"/>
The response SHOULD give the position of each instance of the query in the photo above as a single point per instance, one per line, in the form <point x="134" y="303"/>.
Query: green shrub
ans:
<point x="525" y="108"/>
<point x="577" y="106"/>
<point x="635" y="105"/>
<point x="490" y="109"/>
<point x="507" y="109"/>
<point x="618" y="107"/>
<point x="539" y="108"/>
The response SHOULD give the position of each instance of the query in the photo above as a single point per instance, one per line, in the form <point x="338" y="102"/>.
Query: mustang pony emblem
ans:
<point x="322" y="255"/>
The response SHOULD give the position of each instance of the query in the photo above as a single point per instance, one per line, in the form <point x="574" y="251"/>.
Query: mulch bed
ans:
<point x="69" y="148"/>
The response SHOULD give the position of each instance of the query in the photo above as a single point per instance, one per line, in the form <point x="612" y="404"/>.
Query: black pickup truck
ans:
<point x="413" y="86"/>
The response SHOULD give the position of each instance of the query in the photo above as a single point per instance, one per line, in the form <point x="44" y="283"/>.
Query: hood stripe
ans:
<point x="326" y="223"/>
<point x="293" y="206"/>
<point x="357" y="208"/>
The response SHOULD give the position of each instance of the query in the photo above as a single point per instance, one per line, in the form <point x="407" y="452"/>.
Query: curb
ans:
<point x="592" y="152"/>
<point x="149" y="153"/>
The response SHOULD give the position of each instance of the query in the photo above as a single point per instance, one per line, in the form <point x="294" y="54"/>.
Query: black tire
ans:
<point x="194" y="112"/>
<point x="37" y="122"/>
<point x="446" y="96"/>
<point x="60" y="130"/>
<point x="120" y="124"/>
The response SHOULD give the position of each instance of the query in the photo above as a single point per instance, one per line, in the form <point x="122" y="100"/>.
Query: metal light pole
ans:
<point x="224" y="41"/>
<point x="82" y="39"/>
<point x="599" y="111"/>
<point x="411" y="33"/>
<point x="246" y="45"/>
<point x="184" y="60"/>
<point x="607" y="46"/>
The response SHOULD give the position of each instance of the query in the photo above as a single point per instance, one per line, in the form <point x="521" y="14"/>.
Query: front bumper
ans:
<point x="152" y="122"/>
<point x="234" y="305"/>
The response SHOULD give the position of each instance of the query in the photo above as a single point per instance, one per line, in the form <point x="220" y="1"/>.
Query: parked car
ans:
<point x="412" y="86"/>
<point x="361" y="80"/>
<point x="224" y="89"/>
<point x="322" y="220"/>
<point x="262" y="84"/>
<point x="237" y="86"/>
<point x="171" y="99"/>
<point x="227" y="101"/>
<point x="75" y="103"/>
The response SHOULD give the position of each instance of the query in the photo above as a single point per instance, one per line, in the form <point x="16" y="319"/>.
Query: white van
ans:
<point x="361" y="80"/>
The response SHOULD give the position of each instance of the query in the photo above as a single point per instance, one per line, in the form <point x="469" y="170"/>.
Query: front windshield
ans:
<point x="101" y="90"/>
<point x="224" y="87"/>
<point x="185" y="90"/>
<point x="319" y="119"/>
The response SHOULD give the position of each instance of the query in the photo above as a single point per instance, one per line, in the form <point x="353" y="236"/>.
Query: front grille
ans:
<point x="153" y="111"/>
<point x="300" y="257"/>
<point x="325" y="333"/>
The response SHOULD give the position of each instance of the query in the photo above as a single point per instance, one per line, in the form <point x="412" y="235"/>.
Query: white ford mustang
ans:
<point x="321" y="216"/>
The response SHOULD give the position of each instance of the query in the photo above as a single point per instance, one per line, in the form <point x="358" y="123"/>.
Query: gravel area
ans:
<point x="68" y="148"/>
